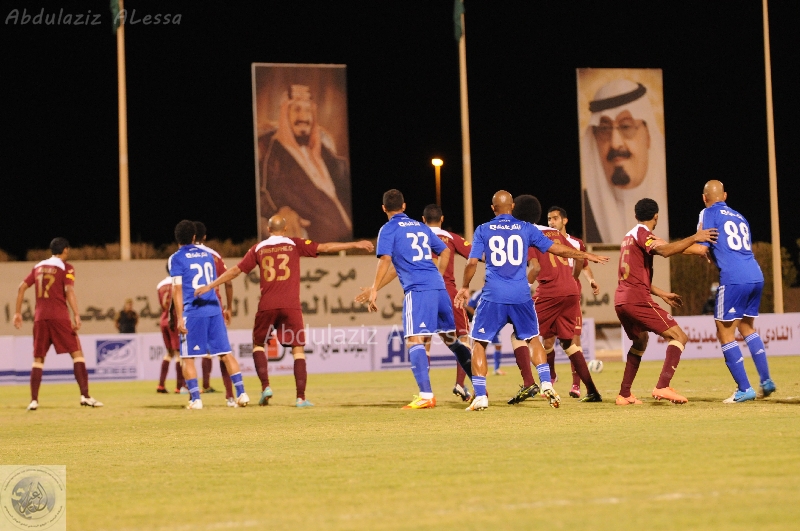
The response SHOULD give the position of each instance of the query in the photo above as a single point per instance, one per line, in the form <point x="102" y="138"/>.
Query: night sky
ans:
<point x="190" y="111"/>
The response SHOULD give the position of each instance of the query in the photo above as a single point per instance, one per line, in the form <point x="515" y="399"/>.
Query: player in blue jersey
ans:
<point x="739" y="292"/>
<point x="506" y="297"/>
<point x="408" y="245"/>
<point x="199" y="319"/>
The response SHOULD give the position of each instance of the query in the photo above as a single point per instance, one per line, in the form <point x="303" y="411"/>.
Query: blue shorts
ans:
<point x="427" y="312"/>
<point x="735" y="301"/>
<point x="205" y="335"/>
<point x="491" y="317"/>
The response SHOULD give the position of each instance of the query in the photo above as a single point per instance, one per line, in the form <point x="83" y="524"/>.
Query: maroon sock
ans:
<point x="36" y="381"/>
<point x="164" y="370"/>
<point x="631" y="368"/>
<point x="579" y="363"/>
<point x="576" y="379"/>
<point x="670" y="364"/>
<point x="551" y="361"/>
<point x="226" y="379"/>
<point x="523" y="357"/>
<point x="260" y="359"/>
<point x="82" y="377"/>
<point x="180" y="381"/>
<point x="206" y="373"/>
<point x="300" y="377"/>
<point x="460" y="375"/>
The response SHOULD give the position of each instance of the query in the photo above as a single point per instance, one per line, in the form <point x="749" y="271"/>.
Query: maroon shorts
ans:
<point x="638" y="317"/>
<point x="460" y="315"/>
<point x="172" y="338"/>
<point x="558" y="316"/>
<point x="287" y="323"/>
<point x="56" y="332"/>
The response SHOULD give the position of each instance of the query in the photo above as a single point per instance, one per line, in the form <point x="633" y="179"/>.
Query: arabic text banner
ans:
<point x="126" y="357"/>
<point x="780" y="333"/>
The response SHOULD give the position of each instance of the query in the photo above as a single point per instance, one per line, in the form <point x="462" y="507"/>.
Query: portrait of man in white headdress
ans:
<point x="300" y="174"/>
<point x="622" y="155"/>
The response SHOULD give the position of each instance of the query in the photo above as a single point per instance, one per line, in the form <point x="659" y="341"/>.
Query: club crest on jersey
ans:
<point x="308" y="242"/>
<point x="513" y="226"/>
<point x="196" y="254"/>
<point x="409" y="223"/>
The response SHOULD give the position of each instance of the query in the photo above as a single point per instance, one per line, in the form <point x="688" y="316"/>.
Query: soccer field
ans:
<point x="357" y="461"/>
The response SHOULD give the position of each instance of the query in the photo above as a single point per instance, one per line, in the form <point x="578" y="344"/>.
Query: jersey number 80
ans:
<point x="506" y="250"/>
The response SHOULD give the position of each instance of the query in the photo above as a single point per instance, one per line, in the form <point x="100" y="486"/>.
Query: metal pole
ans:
<point x="465" y="151"/>
<point x="438" y="186"/>
<point x="777" y="278"/>
<point x="124" y="201"/>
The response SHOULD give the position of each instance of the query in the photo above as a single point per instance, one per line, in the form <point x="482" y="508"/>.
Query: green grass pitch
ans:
<point x="357" y="461"/>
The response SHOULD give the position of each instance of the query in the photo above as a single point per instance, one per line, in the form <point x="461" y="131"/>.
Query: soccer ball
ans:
<point x="595" y="366"/>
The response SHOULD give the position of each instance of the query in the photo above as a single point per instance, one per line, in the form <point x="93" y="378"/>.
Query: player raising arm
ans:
<point x="739" y="292"/>
<point x="279" y="309"/>
<point x="506" y="295"/>
<point x="637" y="311"/>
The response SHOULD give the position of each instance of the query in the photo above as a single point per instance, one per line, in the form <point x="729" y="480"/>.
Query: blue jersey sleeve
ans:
<point x="478" y="245"/>
<point x="705" y="222"/>
<point x="385" y="241"/>
<point x="536" y="238"/>
<point x="176" y="266"/>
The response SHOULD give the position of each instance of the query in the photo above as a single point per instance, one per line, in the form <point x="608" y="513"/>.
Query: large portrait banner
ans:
<point x="302" y="149"/>
<point x="623" y="158"/>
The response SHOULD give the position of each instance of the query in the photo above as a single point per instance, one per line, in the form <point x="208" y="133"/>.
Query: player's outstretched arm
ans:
<point x="227" y="276"/>
<point x="384" y="262"/>
<point x="673" y="299"/>
<point x="697" y="249"/>
<point x="567" y="251"/>
<point x="702" y="235"/>
<point x="463" y="294"/>
<point x="390" y="275"/>
<point x="335" y="247"/>
<point x="18" y="308"/>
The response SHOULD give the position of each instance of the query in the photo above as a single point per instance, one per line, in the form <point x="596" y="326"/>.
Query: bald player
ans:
<point x="506" y="298"/>
<point x="278" y="260"/>
<point x="739" y="293"/>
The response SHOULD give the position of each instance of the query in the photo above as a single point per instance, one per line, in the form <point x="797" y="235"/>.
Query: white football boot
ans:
<point x="243" y="400"/>
<point x="90" y="402"/>
<point x="195" y="404"/>
<point x="33" y="405"/>
<point x="479" y="403"/>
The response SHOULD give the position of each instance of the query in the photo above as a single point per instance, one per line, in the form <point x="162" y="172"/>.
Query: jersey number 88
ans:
<point x="735" y="241"/>
<point x="503" y="252"/>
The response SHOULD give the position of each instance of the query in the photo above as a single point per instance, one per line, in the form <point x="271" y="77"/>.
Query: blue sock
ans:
<point x="194" y="388"/>
<point x="463" y="355"/>
<point x="759" y="355"/>
<point x="419" y="366"/>
<point x="236" y="379"/>
<point x="544" y="372"/>
<point x="497" y="355"/>
<point x="479" y="385"/>
<point x="735" y="362"/>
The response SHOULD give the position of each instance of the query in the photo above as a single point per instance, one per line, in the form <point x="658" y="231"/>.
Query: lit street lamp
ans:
<point x="437" y="164"/>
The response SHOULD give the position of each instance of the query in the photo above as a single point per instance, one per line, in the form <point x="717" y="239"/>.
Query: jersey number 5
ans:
<point x="415" y="245"/>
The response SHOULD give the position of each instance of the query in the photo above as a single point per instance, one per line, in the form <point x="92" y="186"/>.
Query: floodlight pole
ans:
<point x="465" y="150"/>
<point x="777" y="278"/>
<point x="124" y="200"/>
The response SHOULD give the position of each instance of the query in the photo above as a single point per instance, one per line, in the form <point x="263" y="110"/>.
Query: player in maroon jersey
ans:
<point x="433" y="217"/>
<point x="170" y="335"/>
<point x="637" y="311"/>
<point x="278" y="260"/>
<point x="55" y="288"/>
<point x="557" y="219"/>
<point x="557" y="299"/>
<point x="219" y="265"/>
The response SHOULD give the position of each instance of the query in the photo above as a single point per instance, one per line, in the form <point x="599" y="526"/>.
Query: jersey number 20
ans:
<point x="207" y="268"/>
<point x="735" y="241"/>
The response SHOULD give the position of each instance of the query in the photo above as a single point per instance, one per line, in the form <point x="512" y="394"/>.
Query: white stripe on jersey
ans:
<point x="720" y="302"/>
<point x="409" y="324"/>
<point x="164" y="282"/>
<point x="274" y="240"/>
<point x="52" y="261"/>
<point x="209" y="249"/>
<point x="439" y="232"/>
<point x="700" y="220"/>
